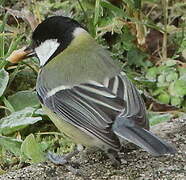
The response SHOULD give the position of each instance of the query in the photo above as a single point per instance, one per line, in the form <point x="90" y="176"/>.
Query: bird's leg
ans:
<point x="61" y="159"/>
<point x="65" y="159"/>
<point x="113" y="156"/>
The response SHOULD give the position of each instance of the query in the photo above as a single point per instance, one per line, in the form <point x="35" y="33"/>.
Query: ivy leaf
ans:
<point x="164" y="98"/>
<point x="10" y="144"/>
<point x="172" y="77"/>
<point x="176" y="101"/>
<point x="28" y="99"/>
<point x="162" y="81"/>
<point x="18" y="120"/>
<point x="152" y="73"/>
<point x="178" y="88"/>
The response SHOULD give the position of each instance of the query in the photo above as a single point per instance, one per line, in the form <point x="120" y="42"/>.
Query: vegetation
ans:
<point x="146" y="37"/>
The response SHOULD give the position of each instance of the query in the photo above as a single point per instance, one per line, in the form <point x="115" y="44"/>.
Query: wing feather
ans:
<point x="82" y="106"/>
<point x="94" y="106"/>
<point x="135" y="108"/>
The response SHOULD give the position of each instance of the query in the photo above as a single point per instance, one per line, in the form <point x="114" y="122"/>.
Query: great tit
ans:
<point x="85" y="94"/>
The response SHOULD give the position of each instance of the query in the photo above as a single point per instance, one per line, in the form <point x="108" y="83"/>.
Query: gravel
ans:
<point x="136" y="164"/>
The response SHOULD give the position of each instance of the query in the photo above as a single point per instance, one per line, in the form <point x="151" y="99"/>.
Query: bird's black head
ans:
<point x="56" y="27"/>
<point x="53" y="35"/>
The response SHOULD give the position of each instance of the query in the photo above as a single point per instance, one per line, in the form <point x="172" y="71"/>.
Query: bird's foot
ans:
<point x="65" y="160"/>
<point x="113" y="156"/>
<point x="57" y="159"/>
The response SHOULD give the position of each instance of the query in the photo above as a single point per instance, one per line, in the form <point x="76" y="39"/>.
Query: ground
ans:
<point x="136" y="165"/>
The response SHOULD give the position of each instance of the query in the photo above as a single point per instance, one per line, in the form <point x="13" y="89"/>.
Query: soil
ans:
<point x="136" y="164"/>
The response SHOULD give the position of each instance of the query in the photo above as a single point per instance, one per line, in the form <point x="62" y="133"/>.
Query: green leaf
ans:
<point x="130" y="3"/>
<point x="28" y="99"/>
<point x="97" y="12"/>
<point x="10" y="144"/>
<point x="136" y="57"/>
<point x="164" y="98"/>
<point x="8" y="105"/>
<point x="13" y="45"/>
<point x="156" y="118"/>
<point x="2" y="45"/>
<point x="161" y="78"/>
<point x="176" y="101"/>
<point x="4" y="77"/>
<point x="172" y="76"/>
<point x="178" y="88"/>
<point x="157" y="91"/>
<point x="170" y="62"/>
<point x="184" y="104"/>
<point x="32" y="149"/>
<point x="3" y="63"/>
<point x="162" y="81"/>
<point x="3" y="24"/>
<point x="137" y="4"/>
<point x="39" y="112"/>
<point x="152" y="73"/>
<point x="117" y="11"/>
<point x="127" y="40"/>
<point x="182" y="71"/>
<point x="18" y="120"/>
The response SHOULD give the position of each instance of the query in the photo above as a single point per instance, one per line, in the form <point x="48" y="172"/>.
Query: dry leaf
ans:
<point x="25" y="15"/>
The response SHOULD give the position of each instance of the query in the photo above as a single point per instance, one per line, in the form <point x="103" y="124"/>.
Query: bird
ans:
<point x="85" y="93"/>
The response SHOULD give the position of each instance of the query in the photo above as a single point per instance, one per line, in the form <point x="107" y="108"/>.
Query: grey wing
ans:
<point x="132" y="124"/>
<point x="89" y="106"/>
<point x="135" y="111"/>
<point x="95" y="107"/>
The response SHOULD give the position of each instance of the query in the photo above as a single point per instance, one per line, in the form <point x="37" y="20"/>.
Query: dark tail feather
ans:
<point x="145" y="139"/>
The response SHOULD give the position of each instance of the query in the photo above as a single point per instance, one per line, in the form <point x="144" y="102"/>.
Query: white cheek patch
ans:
<point x="46" y="49"/>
